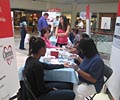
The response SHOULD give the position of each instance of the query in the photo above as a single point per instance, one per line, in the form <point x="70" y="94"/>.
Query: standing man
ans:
<point x="23" y="31"/>
<point x="55" y="23"/>
<point x="42" y="22"/>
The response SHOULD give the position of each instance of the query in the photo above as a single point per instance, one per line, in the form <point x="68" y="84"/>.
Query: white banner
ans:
<point x="114" y="82"/>
<point x="9" y="82"/>
<point x="116" y="39"/>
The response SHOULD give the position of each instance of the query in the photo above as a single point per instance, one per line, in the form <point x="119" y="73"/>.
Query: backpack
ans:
<point x="22" y="94"/>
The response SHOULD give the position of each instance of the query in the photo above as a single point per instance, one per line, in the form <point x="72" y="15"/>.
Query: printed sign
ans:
<point x="9" y="82"/>
<point x="105" y="22"/>
<point x="114" y="81"/>
<point x="116" y="39"/>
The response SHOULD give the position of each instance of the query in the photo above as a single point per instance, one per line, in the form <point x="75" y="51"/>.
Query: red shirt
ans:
<point x="63" y="39"/>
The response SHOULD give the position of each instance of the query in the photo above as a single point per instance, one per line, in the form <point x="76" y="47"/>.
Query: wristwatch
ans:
<point x="78" y="69"/>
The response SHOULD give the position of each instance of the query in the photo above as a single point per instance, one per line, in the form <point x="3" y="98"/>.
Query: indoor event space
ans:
<point x="59" y="49"/>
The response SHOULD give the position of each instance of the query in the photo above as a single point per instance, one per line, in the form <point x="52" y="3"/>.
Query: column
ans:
<point x="73" y="13"/>
<point x="97" y="24"/>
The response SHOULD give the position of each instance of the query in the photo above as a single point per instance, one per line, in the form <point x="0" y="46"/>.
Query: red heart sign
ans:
<point x="8" y="54"/>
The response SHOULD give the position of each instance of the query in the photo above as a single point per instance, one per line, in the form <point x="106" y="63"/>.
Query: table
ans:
<point x="62" y="74"/>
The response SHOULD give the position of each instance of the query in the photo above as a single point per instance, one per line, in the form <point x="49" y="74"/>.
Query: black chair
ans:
<point x="29" y="93"/>
<point x="107" y="74"/>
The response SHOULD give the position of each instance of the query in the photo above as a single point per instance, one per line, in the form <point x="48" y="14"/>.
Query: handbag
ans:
<point x="27" y="38"/>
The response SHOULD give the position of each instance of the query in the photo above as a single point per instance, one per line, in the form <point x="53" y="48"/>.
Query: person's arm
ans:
<point x="73" y="50"/>
<point x="95" y="72"/>
<point x="86" y="76"/>
<point x="49" y="45"/>
<point x="52" y="66"/>
<point x="25" y="26"/>
<point x="63" y="34"/>
<point x="79" y="59"/>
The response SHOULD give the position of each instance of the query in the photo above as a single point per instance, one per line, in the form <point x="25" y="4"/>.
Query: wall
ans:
<point x="99" y="8"/>
<point x="37" y="5"/>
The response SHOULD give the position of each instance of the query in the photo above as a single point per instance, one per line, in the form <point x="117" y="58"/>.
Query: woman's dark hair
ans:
<point x="44" y="30"/>
<point x="35" y="44"/>
<point x="65" y="23"/>
<point x="88" y="47"/>
<point x="84" y="35"/>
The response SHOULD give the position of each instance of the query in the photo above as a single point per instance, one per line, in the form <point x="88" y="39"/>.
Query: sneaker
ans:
<point x="22" y="48"/>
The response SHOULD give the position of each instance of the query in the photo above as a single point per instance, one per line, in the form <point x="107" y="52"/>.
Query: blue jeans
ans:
<point x="60" y="85"/>
<point x="64" y="91"/>
<point x="23" y="34"/>
<point x="58" y="95"/>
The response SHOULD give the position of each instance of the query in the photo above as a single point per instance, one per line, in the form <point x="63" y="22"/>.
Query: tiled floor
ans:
<point x="21" y="56"/>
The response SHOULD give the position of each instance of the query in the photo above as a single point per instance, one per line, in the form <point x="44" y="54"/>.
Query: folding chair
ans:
<point x="107" y="74"/>
<point x="30" y="94"/>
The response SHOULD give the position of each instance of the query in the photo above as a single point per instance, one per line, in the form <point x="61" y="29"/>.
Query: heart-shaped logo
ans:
<point x="8" y="54"/>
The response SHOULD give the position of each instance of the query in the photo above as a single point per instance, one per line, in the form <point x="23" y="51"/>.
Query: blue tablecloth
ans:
<point x="63" y="75"/>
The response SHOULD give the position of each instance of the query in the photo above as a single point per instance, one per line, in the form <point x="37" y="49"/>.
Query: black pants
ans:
<point x="57" y="44"/>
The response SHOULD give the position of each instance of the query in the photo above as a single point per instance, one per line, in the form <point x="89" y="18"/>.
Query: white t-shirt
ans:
<point x="80" y="24"/>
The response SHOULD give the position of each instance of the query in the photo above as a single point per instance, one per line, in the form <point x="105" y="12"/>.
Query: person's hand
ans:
<point x="67" y="64"/>
<point x="55" y="89"/>
<point x="74" y="56"/>
<point x="58" y="48"/>
<point x="69" y="46"/>
<point x="75" y="67"/>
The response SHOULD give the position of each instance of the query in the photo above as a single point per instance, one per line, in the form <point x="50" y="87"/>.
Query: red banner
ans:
<point x="5" y="19"/>
<point x="118" y="13"/>
<point x="87" y="12"/>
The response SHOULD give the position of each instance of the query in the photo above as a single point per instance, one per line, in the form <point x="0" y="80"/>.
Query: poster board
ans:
<point x="9" y="82"/>
<point x="105" y="22"/>
<point x="114" y="82"/>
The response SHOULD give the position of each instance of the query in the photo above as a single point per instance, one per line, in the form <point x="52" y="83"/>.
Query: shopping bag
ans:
<point x="27" y="37"/>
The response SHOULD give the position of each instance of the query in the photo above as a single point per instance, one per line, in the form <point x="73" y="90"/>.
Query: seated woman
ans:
<point x="90" y="70"/>
<point x="45" y="33"/>
<point x="34" y="71"/>
<point x="75" y="50"/>
<point x="76" y="35"/>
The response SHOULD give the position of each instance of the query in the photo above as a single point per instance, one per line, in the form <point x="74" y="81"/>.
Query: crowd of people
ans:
<point x="89" y="65"/>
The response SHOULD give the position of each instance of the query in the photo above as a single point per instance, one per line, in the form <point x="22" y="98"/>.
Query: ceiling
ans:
<point x="79" y="1"/>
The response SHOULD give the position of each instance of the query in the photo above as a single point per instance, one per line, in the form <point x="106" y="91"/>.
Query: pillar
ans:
<point x="73" y="13"/>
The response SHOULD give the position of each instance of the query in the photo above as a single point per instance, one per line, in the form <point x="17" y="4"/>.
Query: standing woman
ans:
<point x="23" y="31"/>
<point x="62" y="31"/>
